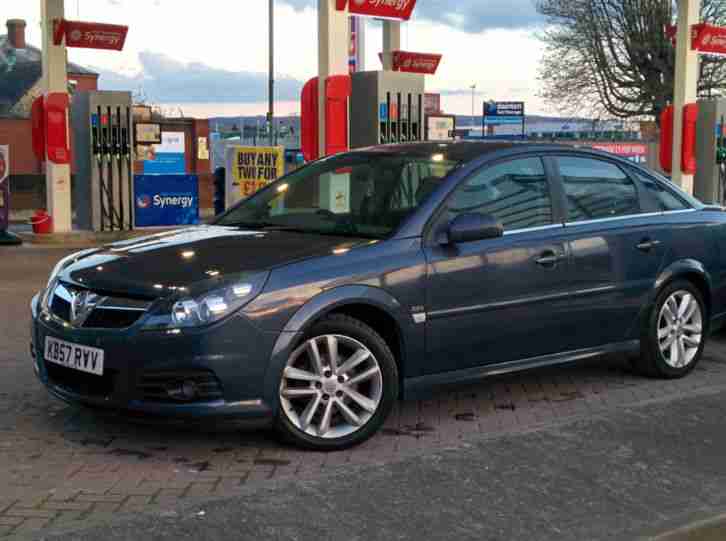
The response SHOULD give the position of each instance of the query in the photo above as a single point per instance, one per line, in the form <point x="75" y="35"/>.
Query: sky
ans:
<point x="210" y="58"/>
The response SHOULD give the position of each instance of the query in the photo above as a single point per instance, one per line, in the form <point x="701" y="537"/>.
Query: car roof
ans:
<point x="461" y="151"/>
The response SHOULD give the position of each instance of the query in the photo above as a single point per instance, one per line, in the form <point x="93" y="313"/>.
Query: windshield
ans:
<point x="361" y="195"/>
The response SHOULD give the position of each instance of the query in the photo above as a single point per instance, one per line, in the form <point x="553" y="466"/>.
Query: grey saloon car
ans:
<point x="380" y="274"/>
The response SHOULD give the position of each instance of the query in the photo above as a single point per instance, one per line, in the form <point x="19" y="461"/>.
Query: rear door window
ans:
<point x="596" y="189"/>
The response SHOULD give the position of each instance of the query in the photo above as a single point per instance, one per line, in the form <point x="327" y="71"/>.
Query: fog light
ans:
<point x="184" y="390"/>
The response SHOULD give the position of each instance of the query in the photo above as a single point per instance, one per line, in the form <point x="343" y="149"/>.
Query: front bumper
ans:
<point x="234" y="351"/>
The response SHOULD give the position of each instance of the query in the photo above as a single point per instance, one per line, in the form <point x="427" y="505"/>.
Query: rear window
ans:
<point x="664" y="198"/>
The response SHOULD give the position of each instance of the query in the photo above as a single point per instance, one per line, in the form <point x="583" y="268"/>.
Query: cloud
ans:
<point x="468" y="15"/>
<point x="163" y="79"/>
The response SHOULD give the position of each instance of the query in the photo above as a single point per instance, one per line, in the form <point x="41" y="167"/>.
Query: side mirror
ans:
<point x="474" y="226"/>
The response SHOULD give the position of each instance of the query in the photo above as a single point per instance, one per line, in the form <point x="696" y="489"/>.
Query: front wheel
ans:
<point x="675" y="334"/>
<point x="337" y="387"/>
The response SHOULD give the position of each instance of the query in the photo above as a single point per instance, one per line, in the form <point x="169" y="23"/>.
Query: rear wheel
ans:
<point x="674" y="336"/>
<point x="337" y="387"/>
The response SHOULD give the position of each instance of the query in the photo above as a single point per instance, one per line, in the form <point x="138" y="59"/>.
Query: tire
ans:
<point x="658" y="359"/>
<point x="345" y="397"/>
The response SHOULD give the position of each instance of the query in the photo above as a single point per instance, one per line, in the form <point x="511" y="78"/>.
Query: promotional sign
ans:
<point x="635" y="152"/>
<point x="386" y="9"/>
<point x="87" y="35"/>
<point x="409" y="62"/>
<point x="251" y="168"/>
<point x="148" y="133"/>
<point x="4" y="187"/>
<point x="335" y="192"/>
<point x="440" y="127"/>
<point x="202" y="148"/>
<point x="163" y="200"/>
<point x="167" y="158"/>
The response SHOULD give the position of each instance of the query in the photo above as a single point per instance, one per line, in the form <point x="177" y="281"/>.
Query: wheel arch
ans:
<point x="364" y="303"/>
<point x="686" y="269"/>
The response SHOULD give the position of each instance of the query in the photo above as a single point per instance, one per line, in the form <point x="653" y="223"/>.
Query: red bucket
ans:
<point x="42" y="222"/>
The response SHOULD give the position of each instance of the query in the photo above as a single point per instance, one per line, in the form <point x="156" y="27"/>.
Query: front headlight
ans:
<point x="196" y="310"/>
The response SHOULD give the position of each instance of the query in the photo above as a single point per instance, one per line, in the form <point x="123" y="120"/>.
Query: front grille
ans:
<point x="161" y="386"/>
<point x="80" y="382"/>
<point x="103" y="318"/>
<point x="105" y="313"/>
<point x="61" y="308"/>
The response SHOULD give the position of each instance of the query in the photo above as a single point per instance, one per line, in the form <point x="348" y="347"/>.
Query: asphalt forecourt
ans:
<point x="67" y="468"/>
<point x="629" y="473"/>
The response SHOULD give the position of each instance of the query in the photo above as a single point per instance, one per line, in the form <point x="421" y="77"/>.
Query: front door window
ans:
<point x="515" y="192"/>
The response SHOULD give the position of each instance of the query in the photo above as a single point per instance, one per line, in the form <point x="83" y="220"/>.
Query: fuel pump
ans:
<point x="385" y="107"/>
<point x="405" y="126"/>
<point x="125" y="161"/>
<point x="709" y="183"/>
<point x="103" y="195"/>
<point x="721" y="160"/>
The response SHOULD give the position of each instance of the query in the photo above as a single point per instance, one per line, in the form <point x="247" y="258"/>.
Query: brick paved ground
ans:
<point x="61" y="466"/>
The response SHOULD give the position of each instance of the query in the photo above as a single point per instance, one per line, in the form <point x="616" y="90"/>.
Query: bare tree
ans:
<point x="612" y="57"/>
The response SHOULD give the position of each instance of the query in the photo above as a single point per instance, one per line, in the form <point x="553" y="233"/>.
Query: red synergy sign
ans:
<point x="706" y="38"/>
<point x="408" y="62"/>
<point x="416" y="62"/>
<point x="389" y="9"/>
<point x="90" y="35"/>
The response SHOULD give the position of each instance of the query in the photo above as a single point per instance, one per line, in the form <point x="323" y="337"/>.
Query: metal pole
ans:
<point x="473" y="89"/>
<point x="333" y="54"/>
<point x="686" y="83"/>
<point x="271" y="114"/>
<point x="55" y="79"/>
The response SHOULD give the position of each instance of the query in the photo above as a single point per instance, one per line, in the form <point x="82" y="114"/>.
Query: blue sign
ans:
<point x="500" y="120"/>
<point x="504" y="108"/>
<point x="166" y="200"/>
<point x="165" y="163"/>
<point x="383" y="112"/>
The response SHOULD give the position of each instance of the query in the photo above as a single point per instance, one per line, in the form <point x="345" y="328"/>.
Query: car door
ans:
<point x="616" y="244"/>
<point x="505" y="298"/>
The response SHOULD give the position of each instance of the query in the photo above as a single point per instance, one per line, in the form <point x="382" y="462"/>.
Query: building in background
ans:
<point x="21" y="72"/>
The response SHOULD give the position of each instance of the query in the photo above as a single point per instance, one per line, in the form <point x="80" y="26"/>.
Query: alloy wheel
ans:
<point x="680" y="329"/>
<point x="331" y="387"/>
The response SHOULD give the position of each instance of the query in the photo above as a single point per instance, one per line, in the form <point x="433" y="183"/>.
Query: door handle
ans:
<point x="646" y="245"/>
<point x="549" y="259"/>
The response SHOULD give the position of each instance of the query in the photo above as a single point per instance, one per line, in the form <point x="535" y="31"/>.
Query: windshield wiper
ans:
<point x="253" y="225"/>
<point x="269" y="226"/>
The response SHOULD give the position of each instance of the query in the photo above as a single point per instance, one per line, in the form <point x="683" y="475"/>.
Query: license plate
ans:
<point x="77" y="357"/>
